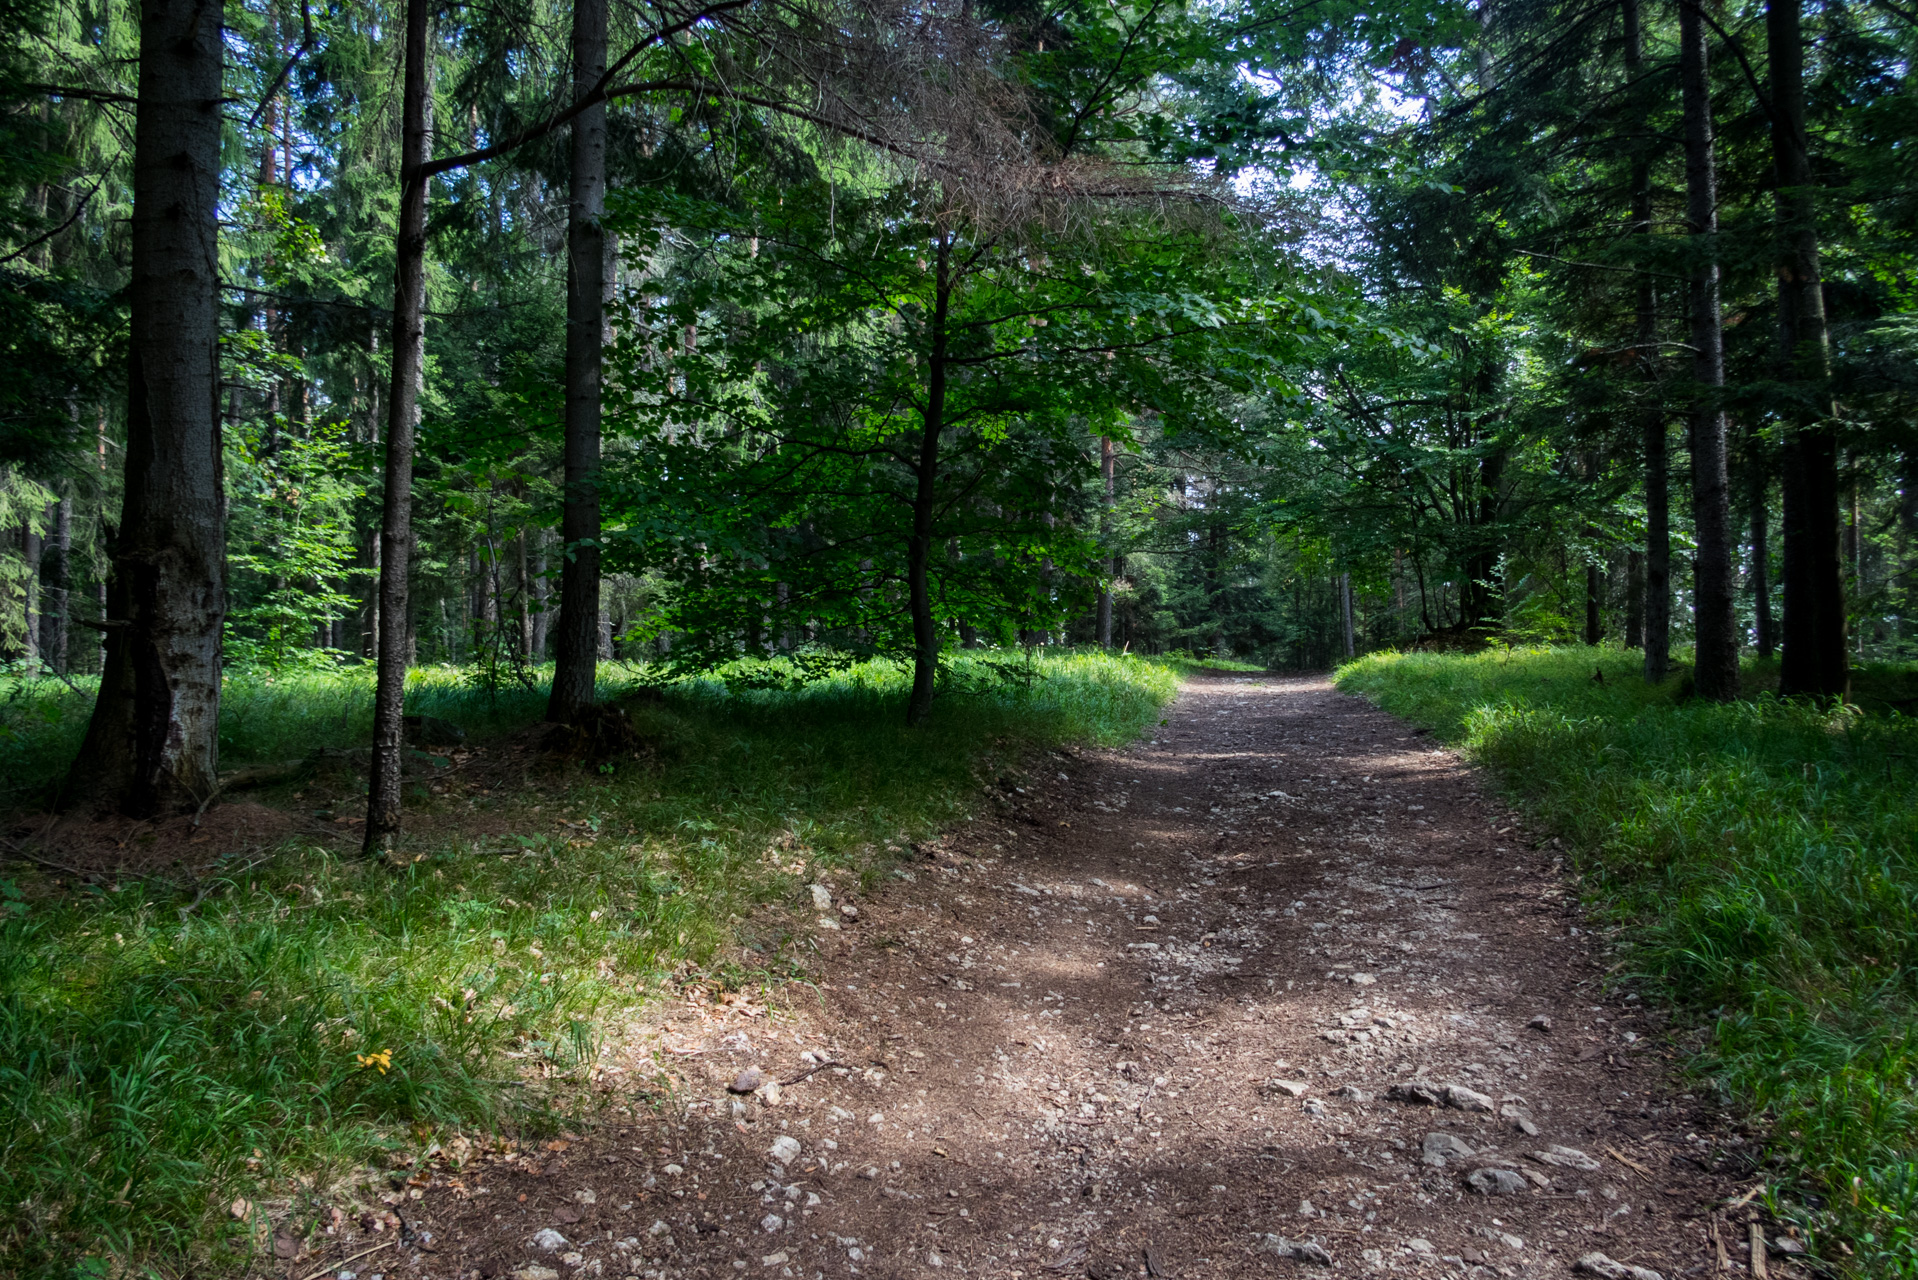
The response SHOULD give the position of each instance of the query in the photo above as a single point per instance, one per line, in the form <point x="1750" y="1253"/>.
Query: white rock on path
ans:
<point x="785" y="1149"/>
<point x="1457" y="1095"/>
<point x="1495" y="1182"/>
<point x="1440" y="1147"/>
<point x="821" y="897"/>
<point x="549" y="1241"/>
<point x="1297" y="1250"/>
<point x="1564" y="1158"/>
<point x="1605" y="1268"/>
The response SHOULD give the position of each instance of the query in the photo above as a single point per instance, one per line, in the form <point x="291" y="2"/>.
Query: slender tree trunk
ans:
<point x="578" y="633"/>
<point x="152" y="745"/>
<point x="1814" y="660"/>
<point x="56" y="574"/>
<point x="523" y="587"/>
<point x="925" y="632"/>
<point x="1714" y="607"/>
<point x="542" y="598"/>
<point x="1107" y="468"/>
<point x="1481" y="602"/>
<point x="1634" y="599"/>
<point x="32" y="552"/>
<point x="1654" y="599"/>
<point x="1760" y="497"/>
<point x="1345" y="614"/>
<point x="403" y="399"/>
<point x="1594" y="603"/>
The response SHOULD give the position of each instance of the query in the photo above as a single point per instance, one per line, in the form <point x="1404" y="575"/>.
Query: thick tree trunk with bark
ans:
<point x="578" y="634"/>
<point x="925" y="630"/>
<point x="402" y="420"/>
<point x="1815" y="661"/>
<point x="152" y="745"/>
<point x="1714" y="611"/>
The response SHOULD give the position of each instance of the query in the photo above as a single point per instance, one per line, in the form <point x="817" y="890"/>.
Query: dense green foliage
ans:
<point x="1761" y="860"/>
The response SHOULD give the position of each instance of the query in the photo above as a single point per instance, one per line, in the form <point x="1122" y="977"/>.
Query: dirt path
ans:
<point x="1148" y="1020"/>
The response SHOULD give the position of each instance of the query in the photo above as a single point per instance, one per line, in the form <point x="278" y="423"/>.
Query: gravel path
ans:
<point x="1279" y="990"/>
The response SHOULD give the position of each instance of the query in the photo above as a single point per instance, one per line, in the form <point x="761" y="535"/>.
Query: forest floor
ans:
<point x="1280" y="987"/>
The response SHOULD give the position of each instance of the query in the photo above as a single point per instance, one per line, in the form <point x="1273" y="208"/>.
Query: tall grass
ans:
<point x="1761" y="858"/>
<point x="163" y="1051"/>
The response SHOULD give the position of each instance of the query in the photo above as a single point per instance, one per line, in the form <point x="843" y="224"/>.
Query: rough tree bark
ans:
<point x="152" y="745"/>
<point x="925" y="631"/>
<point x="1760" y="502"/>
<point x="1655" y="596"/>
<point x="402" y="420"/>
<point x="1714" y="613"/>
<point x="577" y="635"/>
<point x="1815" y="661"/>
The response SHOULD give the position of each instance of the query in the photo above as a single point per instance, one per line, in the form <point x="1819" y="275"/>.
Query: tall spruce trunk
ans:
<point x="402" y="421"/>
<point x="1815" y="661"/>
<point x="56" y="574"/>
<point x="1760" y="510"/>
<point x="1634" y="599"/>
<point x="1655" y="582"/>
<point x="152" y="745"/>
<point x="925" y="630"/>
<point x="1594" y="603"/>
<point x="577" y="635"/>
<point x="1714" y="611"/>
<point x="1107" y="469"/>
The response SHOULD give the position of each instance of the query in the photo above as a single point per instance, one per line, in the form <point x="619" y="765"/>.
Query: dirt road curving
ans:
<point x="1280" y="989"/>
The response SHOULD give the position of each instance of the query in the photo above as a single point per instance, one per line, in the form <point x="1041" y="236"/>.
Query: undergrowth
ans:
<point x="166" y="1048"/>
<point x="1761" y="858"/>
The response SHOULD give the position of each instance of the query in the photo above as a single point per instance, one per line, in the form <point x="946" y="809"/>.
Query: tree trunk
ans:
<point x="1481" y="603"/>
<point x="56" y="583"/>
<point x="1653" y="601"/>
<point x="542" y="594"/>
<point x="1714" y="608"/>
<point x="1594" y="603"/>
<point x="32" y="551"/>
<point x="1107" y="466"/>
<point x="578" y="633"/>
<point x="403" y="400"/>
<point x="523" y="588"/>
<point x="152" y="745"/>
<point x="1634" y="599"/>
<point x="925" y="632"/>
<point x="1761" y="549"/>
<point x="1814" y="660"/>
<point x="1345" y="613"/>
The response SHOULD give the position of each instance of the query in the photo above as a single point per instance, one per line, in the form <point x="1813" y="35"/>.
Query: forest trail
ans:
<point x="1147" y="1020"/>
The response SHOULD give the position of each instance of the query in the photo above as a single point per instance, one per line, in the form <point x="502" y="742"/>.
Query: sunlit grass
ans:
<point x="162" y="1051"/>
<point x="1762" y="860"/>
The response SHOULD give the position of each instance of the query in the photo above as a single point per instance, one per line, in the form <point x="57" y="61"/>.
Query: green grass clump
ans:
<point x="1762" y="858"/>
<point x="165" y="1048"/>
<point x="1188" y="664"/>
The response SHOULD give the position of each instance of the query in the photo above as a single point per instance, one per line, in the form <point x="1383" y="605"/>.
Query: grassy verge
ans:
<point x="1761" y="860"/>
<point x="165" y="1050"/>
